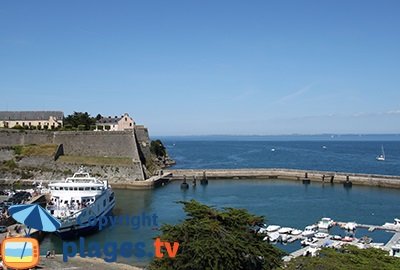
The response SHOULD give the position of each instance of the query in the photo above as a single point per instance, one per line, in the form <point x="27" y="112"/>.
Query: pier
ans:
<point x="155" y="181"/>
<point x="325" y="177"/>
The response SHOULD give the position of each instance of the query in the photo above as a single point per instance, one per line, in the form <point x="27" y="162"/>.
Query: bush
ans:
<point x="81" y="127"/>
<point x="157" y="148"/>
<point x="46" y="127"/>
<point x="10" y="164"/>
<point x="18" y="150"/>
<point x="18" y="127"/>
<point x="100" y="128"/>
<point x="68" y="127"/>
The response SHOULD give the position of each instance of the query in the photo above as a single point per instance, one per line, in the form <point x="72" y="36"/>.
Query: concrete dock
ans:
<point x="289" y="174"/>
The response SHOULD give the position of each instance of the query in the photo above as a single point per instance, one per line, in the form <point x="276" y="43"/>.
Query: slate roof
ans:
<point x="30" y="115"/>
<point x="108" y="120"/>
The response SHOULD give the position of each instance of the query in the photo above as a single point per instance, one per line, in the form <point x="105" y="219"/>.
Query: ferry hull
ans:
<point x="75" y="232"/>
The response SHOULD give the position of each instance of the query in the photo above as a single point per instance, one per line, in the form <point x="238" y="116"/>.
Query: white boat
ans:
<point x="272" y="149"/>
<point x="273" y="228"/>
<point x="79" y="200"/>
<point x="272" y="237"/>
<point x="309" y="231"/>
<point x="262" y="230"/>
<point x="336" y="237"/>
<point x="350" y="226"/>
<point x="296" y="232"/>
<point x="284" y="238"/>
<point x="285" y="230"/>
<point x="321" y="235"/>
<point x="381" y="157"/>
<point x="395" y="225"/>
<point x="325" y="224"/>
<point x="308" y="241"/>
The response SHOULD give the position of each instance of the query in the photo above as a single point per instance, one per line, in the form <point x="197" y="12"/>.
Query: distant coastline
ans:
<point x="289" y="137"/>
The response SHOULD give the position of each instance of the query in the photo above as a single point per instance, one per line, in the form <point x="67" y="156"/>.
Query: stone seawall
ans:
<point x="115" y="144"/>
<point x="82" y="143"/>
<point x="288" y="174"/>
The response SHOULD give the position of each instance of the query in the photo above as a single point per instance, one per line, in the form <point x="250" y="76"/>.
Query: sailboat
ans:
<point x="381" y="157"/>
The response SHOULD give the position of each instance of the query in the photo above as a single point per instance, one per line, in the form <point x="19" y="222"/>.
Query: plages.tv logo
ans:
<point x="23" y="252"/>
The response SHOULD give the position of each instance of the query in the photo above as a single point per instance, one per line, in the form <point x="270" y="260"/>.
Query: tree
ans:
<point x="157" y="148"/>
<point x="217" y="239"/>
<point x="349" y="257"/>
<point x="78" y="119"/>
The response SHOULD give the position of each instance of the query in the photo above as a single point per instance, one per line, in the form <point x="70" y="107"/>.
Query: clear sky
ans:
<point x="208" y="67"/>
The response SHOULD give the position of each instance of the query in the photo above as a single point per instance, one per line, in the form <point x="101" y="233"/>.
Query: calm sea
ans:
<point x="286" y="203"/>
<point x="327" y="155"/>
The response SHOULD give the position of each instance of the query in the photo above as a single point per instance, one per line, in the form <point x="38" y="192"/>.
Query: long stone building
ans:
<point x="42" y="119"/>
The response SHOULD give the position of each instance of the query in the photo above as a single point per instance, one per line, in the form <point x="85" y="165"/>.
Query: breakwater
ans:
<point x="305" y="176"/>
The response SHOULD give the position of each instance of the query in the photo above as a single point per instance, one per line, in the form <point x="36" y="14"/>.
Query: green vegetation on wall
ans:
<point x="157" y="148"/>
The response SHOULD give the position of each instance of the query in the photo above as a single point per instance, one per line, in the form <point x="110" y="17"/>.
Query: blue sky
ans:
<point x="208" y="67"/>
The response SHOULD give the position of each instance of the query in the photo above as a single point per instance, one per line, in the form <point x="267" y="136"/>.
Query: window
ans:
<point x="75" y="188"/>
<point x="92" y="188"/>
<point x="130" y="124"/>
<point x="126" y="119"/>
<point x="81" y="188"/>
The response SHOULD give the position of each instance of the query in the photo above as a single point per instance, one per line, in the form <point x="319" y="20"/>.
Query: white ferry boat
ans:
<point x="79" y="202"/>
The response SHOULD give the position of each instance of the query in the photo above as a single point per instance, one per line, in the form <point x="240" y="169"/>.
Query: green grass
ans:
<point x="35" y="150"/>
<point x="113" y="161"/>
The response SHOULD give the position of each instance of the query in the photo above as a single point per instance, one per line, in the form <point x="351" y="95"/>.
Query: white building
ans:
<point x="125" y="122"/>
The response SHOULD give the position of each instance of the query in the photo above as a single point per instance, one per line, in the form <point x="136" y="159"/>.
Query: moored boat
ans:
<point x="325" y="223"/>
<point x="79" y="202"/>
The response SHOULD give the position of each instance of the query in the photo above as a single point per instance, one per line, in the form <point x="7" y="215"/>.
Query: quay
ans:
<point x="306" y="176"/>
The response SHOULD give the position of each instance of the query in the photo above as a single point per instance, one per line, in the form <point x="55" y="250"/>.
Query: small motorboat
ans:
<point x="321" y="235"/>
<point x="325" y="223"/>
<point x="394" y="225"/>
<point x="309" y="231"/>
<point x="347" y="239"/>
<point x="273" y="228"/>
<point x="284" y="238"/>
<point x="308" y="241"/>
<point x="272" y="237"/>
<point x="350" y="226"/>
<point x="296" y="232"/>
<point x="285" y="230"/>
<point x="336" y="237"/>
